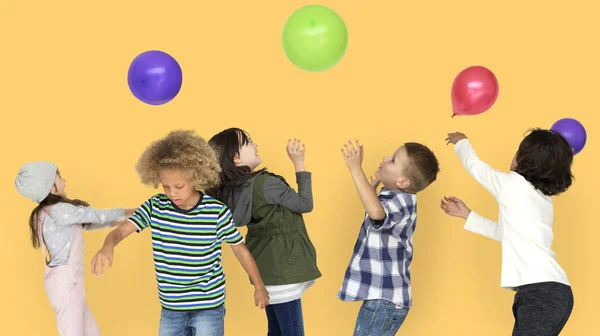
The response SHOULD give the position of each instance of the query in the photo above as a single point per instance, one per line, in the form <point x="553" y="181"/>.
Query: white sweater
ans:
<point x="524" y="223"/>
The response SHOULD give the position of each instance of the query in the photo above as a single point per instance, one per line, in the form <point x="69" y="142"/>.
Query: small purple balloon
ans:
<point x="154" y="77"/>
<point x="573" y="131"/>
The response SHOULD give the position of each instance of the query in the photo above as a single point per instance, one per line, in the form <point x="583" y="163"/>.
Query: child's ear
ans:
<point x="403" y="183"/>
<point x="236" y="159"/>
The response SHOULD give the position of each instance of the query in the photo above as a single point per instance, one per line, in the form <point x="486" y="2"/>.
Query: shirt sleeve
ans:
<point x="277" y="191"/>
<point x="226" y="230"/>
<point x="64" y="214"/>
<point x="483" y="226"/>
<point x="489" y="178"/>
<point x="141" y="217"/>
<point x="398" y="211"/>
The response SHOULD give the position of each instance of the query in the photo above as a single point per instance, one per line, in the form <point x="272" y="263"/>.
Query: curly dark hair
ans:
<point x="544" y="159"/>
<point x="184" y="151"/>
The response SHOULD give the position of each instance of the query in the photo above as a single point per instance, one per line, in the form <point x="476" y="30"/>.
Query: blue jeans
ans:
<point x="285" y="319"/>
<point x="379" y="318"/>
<point x="206" y="322"/>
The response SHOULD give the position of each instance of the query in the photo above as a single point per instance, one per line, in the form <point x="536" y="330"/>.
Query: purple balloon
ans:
<point x="154" y="77"/>
<point x="573" y="131"/>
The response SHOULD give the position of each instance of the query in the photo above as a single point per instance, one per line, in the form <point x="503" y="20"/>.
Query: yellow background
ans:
<point x="64" y="98"/>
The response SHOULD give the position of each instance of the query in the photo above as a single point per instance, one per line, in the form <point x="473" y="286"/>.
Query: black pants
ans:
<point x="542" y="309"/>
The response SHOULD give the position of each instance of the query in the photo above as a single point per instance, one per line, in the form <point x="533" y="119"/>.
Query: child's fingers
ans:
<point x="349" y="151"/>
<point x="351" y="145"/>
<point x="95" y="268"/>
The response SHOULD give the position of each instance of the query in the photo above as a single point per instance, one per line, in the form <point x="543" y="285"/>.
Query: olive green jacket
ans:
<point x="277" y="236"/>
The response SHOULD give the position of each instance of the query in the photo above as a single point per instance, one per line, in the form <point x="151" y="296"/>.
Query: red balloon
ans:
<point x="474" y="91"/>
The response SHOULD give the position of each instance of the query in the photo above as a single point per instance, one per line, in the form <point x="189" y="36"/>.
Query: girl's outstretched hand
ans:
<point x="453" y="206"/>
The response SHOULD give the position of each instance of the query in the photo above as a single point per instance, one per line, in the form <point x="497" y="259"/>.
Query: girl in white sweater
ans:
<point x="540" y="169"/>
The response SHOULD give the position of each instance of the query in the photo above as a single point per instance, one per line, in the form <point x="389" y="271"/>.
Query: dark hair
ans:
<point x="423" y="166"/>
<point x="544" y="159"/>
<point x="227" y="145"/>
<point x="51" y="199"/>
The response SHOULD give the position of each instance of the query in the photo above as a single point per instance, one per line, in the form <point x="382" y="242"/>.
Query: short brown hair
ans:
<point x="184" y="151"/>
<point x="423" y="166"/>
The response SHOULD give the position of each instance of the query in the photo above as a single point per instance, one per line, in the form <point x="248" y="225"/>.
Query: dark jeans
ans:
<point x="285" y="319"/>
<point x="542" y="309"/>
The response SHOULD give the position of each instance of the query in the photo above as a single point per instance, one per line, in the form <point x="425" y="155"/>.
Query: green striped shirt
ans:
<point x="187" y="250"/>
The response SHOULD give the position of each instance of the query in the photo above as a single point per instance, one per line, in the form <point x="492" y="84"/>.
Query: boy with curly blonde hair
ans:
<point x="188" y="228"/>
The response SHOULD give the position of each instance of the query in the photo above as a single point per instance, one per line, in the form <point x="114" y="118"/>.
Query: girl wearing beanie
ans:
<point x="57" y="223"/>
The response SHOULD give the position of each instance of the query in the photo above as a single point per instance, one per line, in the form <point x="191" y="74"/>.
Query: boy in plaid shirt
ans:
<point x="379" y="271"/>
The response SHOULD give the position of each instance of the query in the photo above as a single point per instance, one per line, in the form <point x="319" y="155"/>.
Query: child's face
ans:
<point x="59" y="185"/>
<point x="391" y="172"/>
<point x="248" y="155"/>
<point x="178" y="188"/>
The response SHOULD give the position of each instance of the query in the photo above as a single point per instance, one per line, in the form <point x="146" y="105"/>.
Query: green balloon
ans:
<point x="315" y="38"/>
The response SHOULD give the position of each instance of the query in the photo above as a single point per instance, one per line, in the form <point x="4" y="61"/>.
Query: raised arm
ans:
<point x="489" y="178"/>
<point x="366" y="190"/>
<point x="276" y="191"/>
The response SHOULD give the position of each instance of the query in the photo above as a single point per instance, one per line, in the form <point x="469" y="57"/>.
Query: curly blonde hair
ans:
<point x="180" y="150"/>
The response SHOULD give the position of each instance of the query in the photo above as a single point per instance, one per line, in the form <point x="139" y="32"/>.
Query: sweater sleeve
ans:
<point x="277" y="191"/>
<point x="64" y="214"/>
<point x="488" y="177"/>
<point x="483" y="226"/>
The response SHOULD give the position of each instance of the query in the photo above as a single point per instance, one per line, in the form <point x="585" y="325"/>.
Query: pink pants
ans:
<point x="67" y="297"/>
<point x="64" y="286"/>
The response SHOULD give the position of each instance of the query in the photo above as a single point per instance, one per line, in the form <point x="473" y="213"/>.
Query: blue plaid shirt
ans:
<point x="380" y="265"/>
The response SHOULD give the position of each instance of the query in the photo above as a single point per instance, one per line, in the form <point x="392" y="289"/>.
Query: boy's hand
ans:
<point x="455" y="137"/>
<point x="296" y="153"/>
<point x="374" y="182"/>
<point x="455" y="207"/>
<point x="104" y="255"/>
<point x="261" y="297"/>
<point x="353" y="155"/>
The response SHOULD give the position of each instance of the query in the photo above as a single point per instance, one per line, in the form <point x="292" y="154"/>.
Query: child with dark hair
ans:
<point x="540" y="169"/>
<point x="277" y="235"/>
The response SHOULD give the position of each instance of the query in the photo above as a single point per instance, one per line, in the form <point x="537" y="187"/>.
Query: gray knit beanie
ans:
<point x="36" y="179"/>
